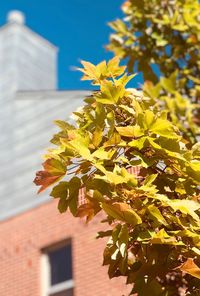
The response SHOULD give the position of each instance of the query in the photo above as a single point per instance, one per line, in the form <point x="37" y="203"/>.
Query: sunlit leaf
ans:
<point x="122" y="212"/>
<point x="190" y="267"/>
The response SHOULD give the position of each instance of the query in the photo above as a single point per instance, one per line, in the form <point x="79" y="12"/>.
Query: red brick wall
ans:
<point x="23" y="237"/>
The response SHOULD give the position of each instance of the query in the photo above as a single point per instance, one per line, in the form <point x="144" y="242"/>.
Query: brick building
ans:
<point x="42" y="253"/>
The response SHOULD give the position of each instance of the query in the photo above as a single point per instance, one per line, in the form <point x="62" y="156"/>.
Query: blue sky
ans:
<point x="77" y="27"/>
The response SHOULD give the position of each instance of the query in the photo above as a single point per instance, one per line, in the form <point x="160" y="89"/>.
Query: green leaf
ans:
<point x="122" y="212"/>
<point x="74" y="187"/>
<point x="138" y="143"/>
<point x="123" y="238"/>
<point x="60" y="190"/>
<point x="54" y="167"/>
<point x="193" y="170"/>
<point x="169" y="83"/>
<point x="63" y="205"/>
<point x="156" y="215"/>
<point x="80" y="144"/>
<point x="150" y="179"/>
<point x="147" y="287"/>
<point x="118" y="176"/>
<point x="196" y="150"/>
<point x="63" y="125"/>
<point x="161" y="237"/>
<point x="187" y="207"/>
<point x="125" y="79"/>
<point x="115" y="233"/>
<point x="163" y="128"/>
<point x="102" y="154"/>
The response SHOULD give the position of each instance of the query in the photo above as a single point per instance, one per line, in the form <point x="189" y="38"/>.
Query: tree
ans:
<point x="161" y="38"/>
<point x="153" y="216"/>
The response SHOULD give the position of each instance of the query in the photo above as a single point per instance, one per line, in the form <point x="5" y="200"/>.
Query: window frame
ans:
<point x="47" y="288"/>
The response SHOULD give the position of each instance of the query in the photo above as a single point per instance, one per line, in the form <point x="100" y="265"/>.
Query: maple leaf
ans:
<point x="54" y="170"/>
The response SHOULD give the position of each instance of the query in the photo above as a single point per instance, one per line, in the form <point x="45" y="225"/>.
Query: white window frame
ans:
<point x="47" y="289"/>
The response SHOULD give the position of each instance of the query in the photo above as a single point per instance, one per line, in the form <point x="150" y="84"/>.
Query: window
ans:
<point x="57" y="268"/>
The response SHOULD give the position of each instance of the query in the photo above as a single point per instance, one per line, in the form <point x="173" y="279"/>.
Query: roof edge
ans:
<point x="30" y="31"/>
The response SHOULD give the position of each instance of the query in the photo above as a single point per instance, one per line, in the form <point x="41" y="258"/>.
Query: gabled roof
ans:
<point x="27" y="30"/>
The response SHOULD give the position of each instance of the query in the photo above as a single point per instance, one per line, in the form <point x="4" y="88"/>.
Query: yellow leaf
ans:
<point x="149" y="118"/>
<point x="114" y="68"/>
<point x="89" y="71"/>
<point x="97" y="137"/>
<point x="122" y="212"/>
<point x="190" y="267"/>
<point x="130" y="131"/>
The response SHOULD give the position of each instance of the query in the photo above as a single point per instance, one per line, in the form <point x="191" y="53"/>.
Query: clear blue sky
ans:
<point x="77" y="27"/>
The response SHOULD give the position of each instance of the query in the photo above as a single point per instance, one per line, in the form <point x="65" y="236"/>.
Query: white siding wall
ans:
<point x="33" y="116"/>
<point x="28" y="106"/>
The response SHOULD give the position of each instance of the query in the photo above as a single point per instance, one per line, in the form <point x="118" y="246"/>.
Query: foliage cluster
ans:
<point x="153" y="217"/>
<point x="161" y="38"/>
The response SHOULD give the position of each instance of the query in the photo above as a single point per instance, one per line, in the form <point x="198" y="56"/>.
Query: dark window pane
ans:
<point x="64" y="293"/>
<point x="61" y="264"/>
